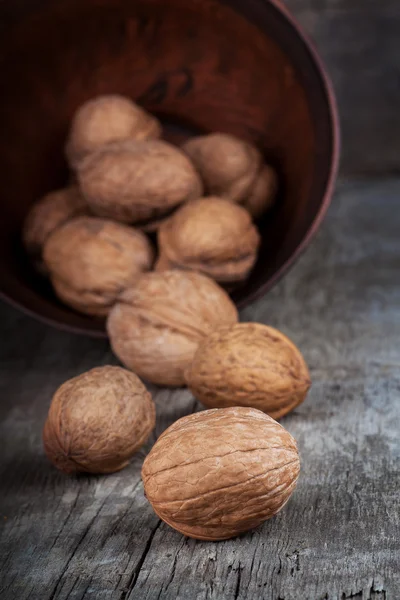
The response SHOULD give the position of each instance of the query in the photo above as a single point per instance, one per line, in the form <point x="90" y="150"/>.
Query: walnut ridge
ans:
<point x="51" y="211"/>
<point x="218" y="473"/>
<point x="249" y="364"/>
<point x="97" y="421"/>
<point x="92" y="260"/>
<point x="210" y="235"/>
<point x="155" y="327"/>
<point x="138" y="182"/>
<point x="107" y="119"/>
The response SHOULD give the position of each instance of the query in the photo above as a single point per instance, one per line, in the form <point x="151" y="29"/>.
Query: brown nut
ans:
<point x="227" y="164"/>
<point x="263" y="193"/>
<point x="210" y="235"/>
<point x="218" y="473"/>
<point x="92" y="260"/>
<point x="249" y="364"/>
<point x="52" y="211"/>
<point x="138" y="182"/>
<point x="97" y="421"/>
<point x="108" y="119"/>
<point x="156" y="326"/>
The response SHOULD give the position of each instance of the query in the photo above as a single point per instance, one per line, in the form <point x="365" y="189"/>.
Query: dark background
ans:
<point x="360" y="43"/>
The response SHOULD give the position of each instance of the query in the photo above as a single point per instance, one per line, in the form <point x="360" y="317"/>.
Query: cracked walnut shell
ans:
<point x="52" y="211"/>
<point x="156" y="326"/>
<point x="249" y="364"/>
<point x="91" y="261"/>
<point x="138" y="182"/>
<point x="210" y="235"/>
<point x="107" y="119"/>
<point x="97" y="421"/>
<point x="216" y="474"/>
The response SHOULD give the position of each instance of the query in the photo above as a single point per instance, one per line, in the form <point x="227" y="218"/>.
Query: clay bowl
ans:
<point x="239" y="66"/>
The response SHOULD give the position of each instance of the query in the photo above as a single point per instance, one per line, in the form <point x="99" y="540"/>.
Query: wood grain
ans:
<point x="96" y="538"/>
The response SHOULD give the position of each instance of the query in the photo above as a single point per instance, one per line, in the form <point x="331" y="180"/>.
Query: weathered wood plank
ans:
<point x="96" y="538"/>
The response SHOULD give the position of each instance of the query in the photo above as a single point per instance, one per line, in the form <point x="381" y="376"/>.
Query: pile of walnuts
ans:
<point x="170" y="320"/>
<point x="197" y="202"/>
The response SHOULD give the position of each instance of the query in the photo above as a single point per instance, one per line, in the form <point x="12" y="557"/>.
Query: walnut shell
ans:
<point x="218" y="473"/>
<point x="228" y="165"/>
<point x="155" y="327"/>
<point x="210" y="235"/>
<point x="92" y="260"/>
<point x="108" y="119"/>
<point x="52" y="211"/>
<point x="138" y="182"/>
<point x="97" y="421"/>
<point x="249" y="364"/>
<point x="263" y="193"/>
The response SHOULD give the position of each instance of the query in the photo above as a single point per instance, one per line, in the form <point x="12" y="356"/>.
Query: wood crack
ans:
<point x="238" y="582"/>
<point x="82" y="537"/>
<point x="373" y="594"/>
<point x="71" y="510"/>
<point x="136" y="572"/>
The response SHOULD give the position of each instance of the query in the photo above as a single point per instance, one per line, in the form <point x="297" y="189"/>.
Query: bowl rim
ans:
<point x="335" y="156"/>
<point x="318" y="218"/>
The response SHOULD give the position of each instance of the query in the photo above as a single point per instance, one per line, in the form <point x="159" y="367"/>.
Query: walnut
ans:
<point x="218" y="473"/>
<point x="138" y="182"/>
<point x="249" y="364"/>
<point x="210" y="235"/>
<point x="233" y="169"/>
<point x="263" y="194"/>
<point x="156" y="326"/>
<point x="108" y="119"/>
<point x="97" y="421"/>
<point x="227" y="165"/>
<point x="92" y="260"/>
<point x="46" y="215"/>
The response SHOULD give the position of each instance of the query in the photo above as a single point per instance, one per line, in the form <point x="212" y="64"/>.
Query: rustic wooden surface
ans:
<point x="96" y="538"/>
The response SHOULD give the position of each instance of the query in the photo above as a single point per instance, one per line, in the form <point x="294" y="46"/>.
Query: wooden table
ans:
<point x="97" y="538"/>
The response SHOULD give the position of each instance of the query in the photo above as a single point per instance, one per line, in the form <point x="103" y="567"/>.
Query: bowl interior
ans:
<point x="204" y="65"/>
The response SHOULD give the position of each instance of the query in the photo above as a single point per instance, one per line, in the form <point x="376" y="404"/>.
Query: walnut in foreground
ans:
<point x="52" y="211"/>
<point x="233" y="169"/>
<point x="218" y="473"/>
<point x="249" y="364"/>
<point x="210" y="235"/>
<point x="91" y="261"/>
<point x="156" y="326"/>
<point x="107" y="119"/>
<point x="138" y="182"/>
<point x="97" y="421"/>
